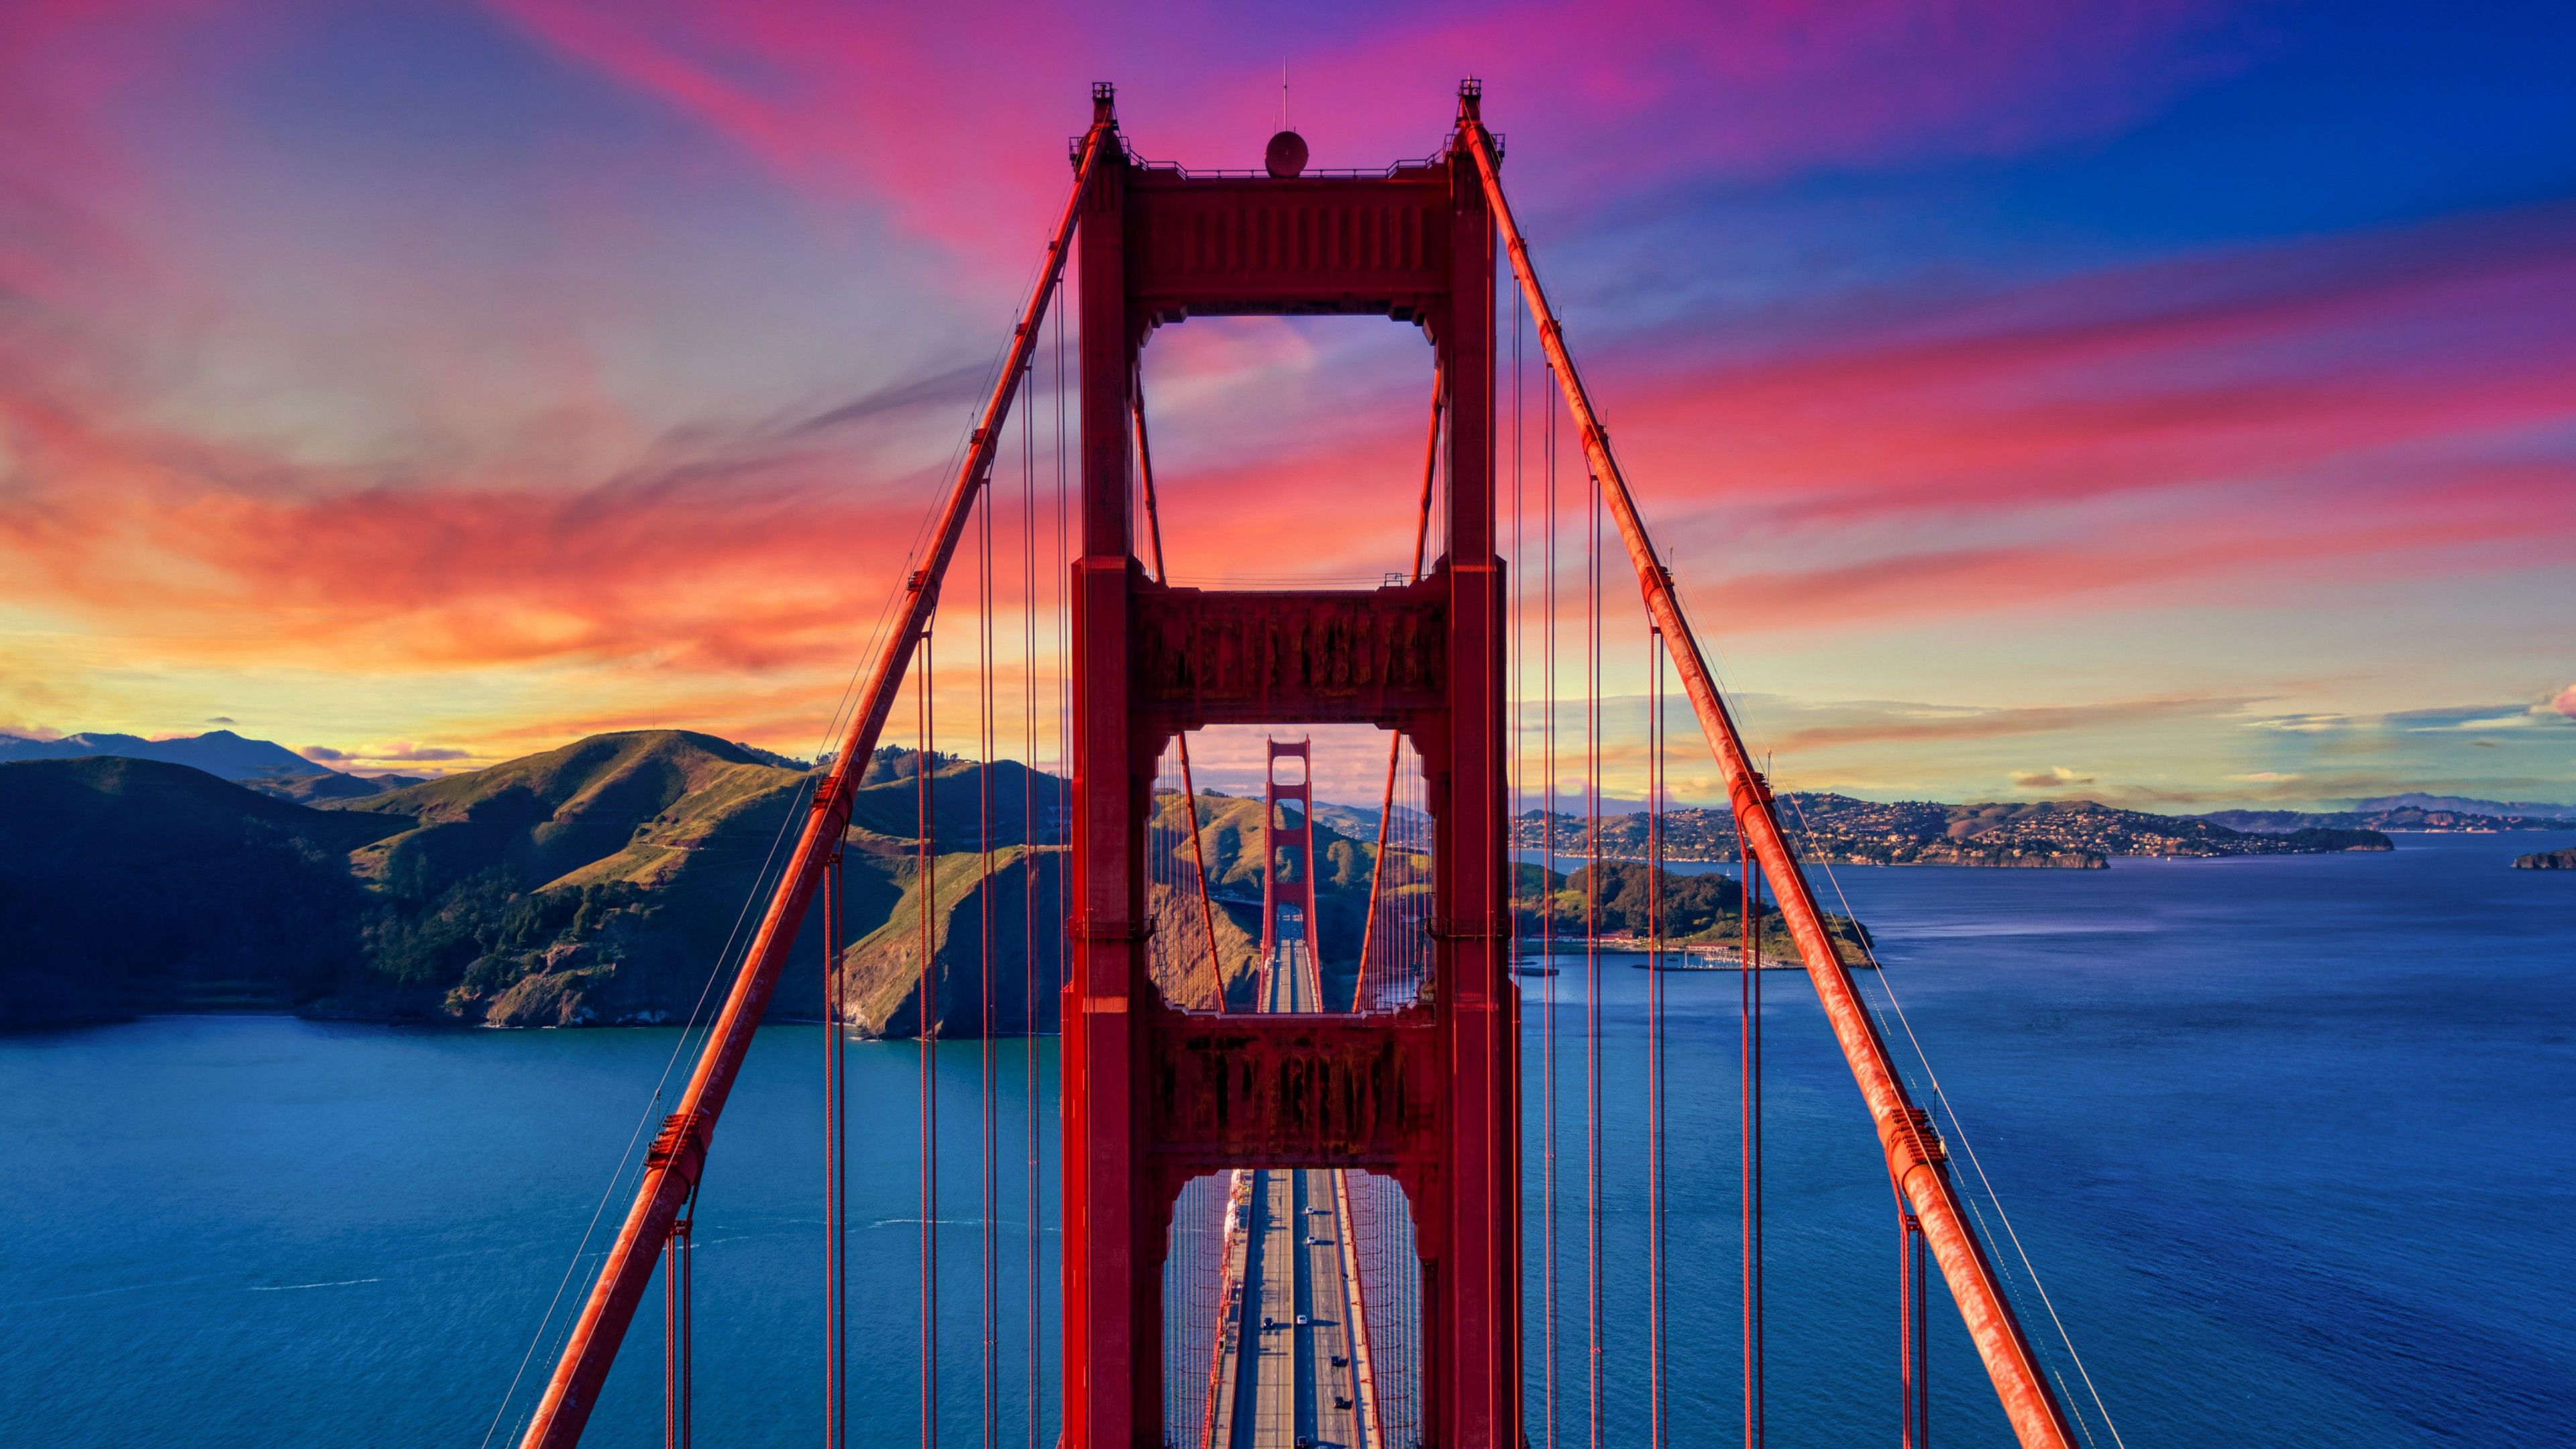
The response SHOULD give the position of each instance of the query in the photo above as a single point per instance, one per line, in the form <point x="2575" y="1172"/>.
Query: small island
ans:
<point x="2547" y="860"/>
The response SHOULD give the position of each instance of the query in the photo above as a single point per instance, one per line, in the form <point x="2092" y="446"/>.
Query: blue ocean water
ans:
<point x="2291" y="1142"/>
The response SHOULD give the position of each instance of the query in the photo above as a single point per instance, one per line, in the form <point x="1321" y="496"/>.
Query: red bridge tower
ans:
<point x="1299" y="839"/>
<point x="1154" y="1096"/>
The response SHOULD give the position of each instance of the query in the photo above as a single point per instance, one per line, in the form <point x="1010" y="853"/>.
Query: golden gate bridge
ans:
<point x="1296" y="1221"/>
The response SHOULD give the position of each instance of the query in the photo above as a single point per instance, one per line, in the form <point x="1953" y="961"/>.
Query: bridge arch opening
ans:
<point x="1305" y="432"/>
<point x="1323" y="855"/>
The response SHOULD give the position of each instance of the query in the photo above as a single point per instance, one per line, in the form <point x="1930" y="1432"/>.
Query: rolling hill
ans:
<point x="133" y="885"/>
<point x="609" y="880"/>
<point x="220" y="753"/>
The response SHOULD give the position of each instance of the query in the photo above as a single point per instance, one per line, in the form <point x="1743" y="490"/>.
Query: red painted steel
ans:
<point x="672" y="1170"/>
<point x="2028" y="1400"/>
<point x="1150" y="1096"/>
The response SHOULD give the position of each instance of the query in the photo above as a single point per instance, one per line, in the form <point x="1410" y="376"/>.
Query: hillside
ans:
<point x="1696" y="910"/>
<point x="330" y="786"/>
<point x="2058" y="834"/>
<point x="600" y="881"/>
<point x="133" y="885"/>
<point x="2400" y="813"/>
<point x="605" y="881"/>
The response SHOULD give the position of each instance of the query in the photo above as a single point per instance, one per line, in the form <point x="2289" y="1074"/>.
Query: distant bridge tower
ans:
<point x="1295" y="841"/>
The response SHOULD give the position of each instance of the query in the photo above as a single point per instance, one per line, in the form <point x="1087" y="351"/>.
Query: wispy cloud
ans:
<point x="1899" y="724"/>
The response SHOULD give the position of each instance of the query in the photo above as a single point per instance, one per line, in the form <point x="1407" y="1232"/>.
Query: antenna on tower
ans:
<point x="1286" y="155"/>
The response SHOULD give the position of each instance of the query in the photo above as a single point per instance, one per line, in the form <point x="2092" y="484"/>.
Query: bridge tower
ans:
<point x="1153" y="1096"/>
<point x="1298" y="839"/>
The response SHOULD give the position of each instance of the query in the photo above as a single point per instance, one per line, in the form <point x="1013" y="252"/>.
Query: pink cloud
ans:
<point x="2275" y="363"/>
<point x="951" y="117"/>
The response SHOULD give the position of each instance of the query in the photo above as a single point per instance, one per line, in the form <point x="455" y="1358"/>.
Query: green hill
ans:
<point x="613" y="880"/>
<point x="133" y="885"/>
<point x="599" y="882"/>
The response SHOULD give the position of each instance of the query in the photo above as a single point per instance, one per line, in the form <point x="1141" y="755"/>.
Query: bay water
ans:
<point x="2290" y="1142"/>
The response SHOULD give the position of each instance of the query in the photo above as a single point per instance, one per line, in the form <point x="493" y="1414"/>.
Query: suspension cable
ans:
<point x="1749" y="1143"/>
<point x="678" y="1313"/>
<point x="1519" y="667"/>
<point x="927" y="1024"/>
<point x="1655" y="1428"/>
<point x="990" y="1183"/>
<point x="836" y="1176"/>
<point x="1913" y="1331"/>
<point x="1591" y="700"/>
<point x="1547" y="953"/>
<point x="1064" y="708"/>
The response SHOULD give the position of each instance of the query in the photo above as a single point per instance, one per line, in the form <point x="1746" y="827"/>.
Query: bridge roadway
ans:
<point x="1287" y="1374"/>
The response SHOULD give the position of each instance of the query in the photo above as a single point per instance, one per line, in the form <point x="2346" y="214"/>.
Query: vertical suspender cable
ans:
<point x="1913" y="1333"/>
<point x="927" y="1024"/>
<point x="1592" y="963"/>
<point x="1518" y="673"/>
<point x="836" y="1176"/>
<point x="984" y="892"/>
<point x="1655" y="1431"/>
<point x="1744" y="1192"/>
<point x="1035" y="1084"/>
<point x="675" y="1334"/>
<point x="1029" y="849"/>
<point x="1922" y="1334"/>
<point x="1749" y="1088"/>
<point x="1547" y="955"/>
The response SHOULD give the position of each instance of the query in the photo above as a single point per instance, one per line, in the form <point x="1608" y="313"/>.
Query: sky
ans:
<point x="2172" y="404"/>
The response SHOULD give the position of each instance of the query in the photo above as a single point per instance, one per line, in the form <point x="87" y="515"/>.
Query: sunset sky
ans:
<point x="2168" y="403"/>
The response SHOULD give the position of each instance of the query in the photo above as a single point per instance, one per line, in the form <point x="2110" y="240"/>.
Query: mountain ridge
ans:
<point x="220" y="753"/>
